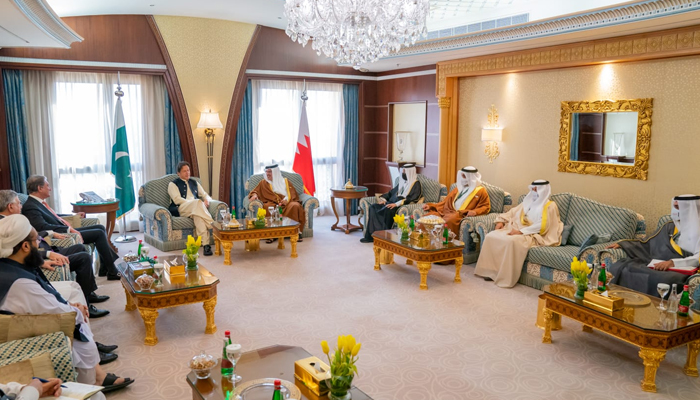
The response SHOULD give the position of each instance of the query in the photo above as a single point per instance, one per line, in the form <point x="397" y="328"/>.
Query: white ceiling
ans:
<point x="42" y="30"/>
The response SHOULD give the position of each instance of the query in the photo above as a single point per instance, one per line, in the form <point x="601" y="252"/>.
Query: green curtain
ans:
<point x="242" y="163"/>
<point x="173" y="148"/>
<point x="351" y="107"/>
<point x="573" y="154"/>
<point x="17" y="144"/>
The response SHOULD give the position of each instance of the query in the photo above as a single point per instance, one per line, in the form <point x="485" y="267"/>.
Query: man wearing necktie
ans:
<point x="44" y="218"/>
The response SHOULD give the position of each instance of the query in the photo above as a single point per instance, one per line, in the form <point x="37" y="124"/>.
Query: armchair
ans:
<point x="433" y="191"/>
<point x="161" y="229"/>
<point x="309" y="203"/>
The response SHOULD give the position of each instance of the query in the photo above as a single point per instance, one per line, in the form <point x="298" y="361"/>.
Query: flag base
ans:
<point x="125" y="239"/>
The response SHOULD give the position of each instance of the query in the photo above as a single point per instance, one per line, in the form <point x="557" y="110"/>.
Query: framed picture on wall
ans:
<point x="407" y="132"/>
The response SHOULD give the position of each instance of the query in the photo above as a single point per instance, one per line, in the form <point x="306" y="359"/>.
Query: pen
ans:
<point x="45" y="381"/>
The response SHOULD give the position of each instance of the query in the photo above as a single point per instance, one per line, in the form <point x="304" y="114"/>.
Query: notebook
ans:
<point x="74" y="390"/>
<point x="680" y="270"/>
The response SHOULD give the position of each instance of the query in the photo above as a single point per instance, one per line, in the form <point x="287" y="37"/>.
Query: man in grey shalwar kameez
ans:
<point x="676" y="245"/>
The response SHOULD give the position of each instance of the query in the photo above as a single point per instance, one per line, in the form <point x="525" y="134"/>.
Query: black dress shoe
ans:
<point x="106" y="358"/>
<point x="106" y="348"/>
<point x="96" y="298"/>
<point x="113" y="277"/>
<point x="96" y="312"/>
<point x="207" y="250"/>
<point x="363" y="240"/>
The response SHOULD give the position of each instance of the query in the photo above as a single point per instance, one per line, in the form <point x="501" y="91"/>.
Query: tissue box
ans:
<point x="138" y="269"/>
<point x="308" y="379"/>
<point x="175" y="278"/>
<point x="174" y="266"/>
<point x="605" y="304"/>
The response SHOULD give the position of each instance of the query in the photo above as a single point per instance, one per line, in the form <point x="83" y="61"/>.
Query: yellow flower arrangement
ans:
<point x="342" y="362"/>
<point x="261" y="213"/>
<point x="191" y="252"/>
<point x="400" y="220"/>
<point x="580" y="272"/>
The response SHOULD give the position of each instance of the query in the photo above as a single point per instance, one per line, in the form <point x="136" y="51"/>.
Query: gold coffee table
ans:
<point x="388" y="243"/>
<point x="198" y="287"/>
<point x="644" y="326"/>
<point x="251" y="235"/>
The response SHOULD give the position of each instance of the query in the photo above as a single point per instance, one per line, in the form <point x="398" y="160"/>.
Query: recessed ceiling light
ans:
<point x="153" y="5"/>
<point x="279" y="17"/>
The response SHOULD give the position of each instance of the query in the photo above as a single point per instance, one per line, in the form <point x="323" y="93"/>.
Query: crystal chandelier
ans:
<point x="356" y="31"/>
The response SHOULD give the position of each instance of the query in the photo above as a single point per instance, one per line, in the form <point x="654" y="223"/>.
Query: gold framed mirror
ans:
<point x="606" y="137"/>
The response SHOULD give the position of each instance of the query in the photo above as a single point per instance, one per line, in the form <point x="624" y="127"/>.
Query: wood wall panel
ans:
<point x="433" y="118"/>
<point x="378" y="147"/>
<point x="107" y="38"/>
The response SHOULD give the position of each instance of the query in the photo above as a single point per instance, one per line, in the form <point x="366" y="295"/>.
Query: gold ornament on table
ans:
<point x="343" y="369"/>
<point x="492" y="134"/>
<point x="349" y="185"/>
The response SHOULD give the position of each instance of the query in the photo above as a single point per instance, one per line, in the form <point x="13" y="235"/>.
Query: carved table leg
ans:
<point x="423" y="268"/>
<point x="209" y="308"/>
<point x="386" y="257"/>
<point x="252" y="245"/>
<point x="377" y="257"/>
<point x="227" y="252"/>
<point x="130" y="306"/>
<point x="458" y="267"/>
<point x="587" y="328"/>
<point x="149" y="316"/>
<point x="691" y="364"/>
<point x="217" y="247"/>
<point x="547" y="335"/>
<point x="280" y="243"/>
<point x="409" y="261"/>
<point x="294" y="239"/>
<point x="652" y="359"/>
<point x="337" y="218"/>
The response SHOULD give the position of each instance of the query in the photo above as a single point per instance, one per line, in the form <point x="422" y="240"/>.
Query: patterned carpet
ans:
<point x="455" y="341"/>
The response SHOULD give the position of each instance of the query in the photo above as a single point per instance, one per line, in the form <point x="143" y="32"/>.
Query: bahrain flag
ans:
<point x="303" y="162"/>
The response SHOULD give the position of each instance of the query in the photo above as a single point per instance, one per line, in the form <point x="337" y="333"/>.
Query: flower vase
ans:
<point x="191" y="261"/>
<point x="581" y="288"/>
<point x="339" y="387"/>
<point x="404" y="235"/>
<point x="259" y="223"/>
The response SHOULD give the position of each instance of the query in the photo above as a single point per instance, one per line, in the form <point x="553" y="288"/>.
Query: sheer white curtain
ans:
<point x="71" y="126"/>
<point x="276" y="116"/>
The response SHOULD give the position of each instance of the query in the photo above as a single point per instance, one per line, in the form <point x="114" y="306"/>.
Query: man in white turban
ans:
<point x="670" y="255"/>
<point x="468" y="199"/>
<point x="22" y="291"/>
<point x="276" y="191"/>
<point x="534" y="222"/>
<point x="380" y="216"/>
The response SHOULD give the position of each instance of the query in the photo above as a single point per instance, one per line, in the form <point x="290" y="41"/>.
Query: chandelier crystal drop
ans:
<point x="356" y="31"/>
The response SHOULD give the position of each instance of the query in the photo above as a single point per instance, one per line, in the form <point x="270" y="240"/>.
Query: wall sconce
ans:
<point x="210" y="121"/>
<point x="492" y="134"/>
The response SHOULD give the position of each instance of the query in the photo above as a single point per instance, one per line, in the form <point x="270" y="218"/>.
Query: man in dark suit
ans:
<point x="44" y="218"/>
<point x="75" y="256"/>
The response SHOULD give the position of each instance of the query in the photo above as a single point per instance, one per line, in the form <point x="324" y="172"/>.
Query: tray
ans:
<point x="264" y="388"/>
<point x="631" y="298"/>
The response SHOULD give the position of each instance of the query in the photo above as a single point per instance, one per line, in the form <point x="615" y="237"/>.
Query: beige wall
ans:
<point x="529" y="109"/>
<point x="207" y="55"/>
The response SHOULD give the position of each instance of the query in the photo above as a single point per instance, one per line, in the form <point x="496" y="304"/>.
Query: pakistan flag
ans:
<point x="121" y="165"/>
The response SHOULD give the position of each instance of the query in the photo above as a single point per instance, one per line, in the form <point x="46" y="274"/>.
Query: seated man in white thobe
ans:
<point x="23" y="292"/>
<point x="534" y="222"/>
<point x="188" y="199"/>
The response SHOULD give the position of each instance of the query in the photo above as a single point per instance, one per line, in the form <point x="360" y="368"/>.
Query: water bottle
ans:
<point x="673" y="297"/>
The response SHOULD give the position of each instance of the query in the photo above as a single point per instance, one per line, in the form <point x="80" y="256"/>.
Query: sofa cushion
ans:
<point x="15" y="327"/>
<point x="23" y="370"/>
<point x="556" y="257"/>
<point x="156" y="191"/>
<point x="294" y="178"/>
<point x="496" y="197"/>
<point x="57" y="344"/>
<point x="590" y="217"/>
<point x="562" y="200"/>
<point x="180" y="223"/>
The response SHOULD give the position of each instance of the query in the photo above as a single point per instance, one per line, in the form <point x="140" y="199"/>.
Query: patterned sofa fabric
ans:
<point x="308" y="202"/>
<point x="56" y="344"/>
<point x="432" y="190"/>
<point x="161" y="229"/>
<point x="545" y="265"/>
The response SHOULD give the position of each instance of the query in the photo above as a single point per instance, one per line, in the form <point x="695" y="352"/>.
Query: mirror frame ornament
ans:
<point x="641" y="157"/>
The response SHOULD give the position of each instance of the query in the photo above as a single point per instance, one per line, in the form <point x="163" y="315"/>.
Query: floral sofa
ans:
<point x="501" y="202"/>
<point x="433" y="191"/>
<point x="161" y="229"/>
<point x="545" y="265"/>
<point x="308" y="202"/>
<point x="610" y="256"/>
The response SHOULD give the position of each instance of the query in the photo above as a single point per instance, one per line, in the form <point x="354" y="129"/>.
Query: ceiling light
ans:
<point x="356" y="31"/>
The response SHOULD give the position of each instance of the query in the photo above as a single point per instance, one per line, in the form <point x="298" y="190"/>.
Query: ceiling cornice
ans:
<point x="45" y="19"/>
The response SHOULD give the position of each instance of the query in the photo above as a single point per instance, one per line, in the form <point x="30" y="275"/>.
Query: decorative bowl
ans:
<point x="202" y="364"/>
<point x="145" y="281"/>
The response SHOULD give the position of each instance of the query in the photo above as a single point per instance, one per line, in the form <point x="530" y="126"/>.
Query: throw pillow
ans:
<point x="605" y="238"/>
<point x="20" y="326"/>
<point x="591" y="240"/>
<point x="23" y="371"/>
<point x="565" y="234"/>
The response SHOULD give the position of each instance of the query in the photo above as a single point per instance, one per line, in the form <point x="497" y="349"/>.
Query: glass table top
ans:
<point x="423" y="245"/>
<point x="269" y="362"/>
<point x="190" y="280"/>
<point x="269" y="223"/>
<point x="353" y="189"/>
<point x="640" y="310"/>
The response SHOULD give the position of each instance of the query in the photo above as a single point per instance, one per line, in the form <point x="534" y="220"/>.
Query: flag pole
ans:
<point x="122" y="227"/>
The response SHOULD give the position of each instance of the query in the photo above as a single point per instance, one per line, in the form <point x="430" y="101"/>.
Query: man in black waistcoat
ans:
<point x="188" y="199"/>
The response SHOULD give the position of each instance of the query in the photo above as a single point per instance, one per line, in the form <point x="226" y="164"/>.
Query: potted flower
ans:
<point x="400" y="221"/>
<point x="260" y="221"/>
<point x="580" y="272"/>
<point x="191" y="252"/>
<point x="343" y="369"/>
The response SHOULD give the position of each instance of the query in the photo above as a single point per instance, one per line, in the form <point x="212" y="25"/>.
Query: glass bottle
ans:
<point x="277" y="395"/>
<point x="233" y="212"/>
<point x="445" y="235"/>
<point x="684" y="302"/>
<point x="280" y="213"/>
<point x="602" y="279"/>
<point x="412" y="224"/>
<point x="673" y="297"/>
<point x="226" y="364"/>
<point x="138" y="251"/>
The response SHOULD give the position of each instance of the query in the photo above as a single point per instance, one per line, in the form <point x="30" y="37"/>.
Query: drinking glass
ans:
<point x="233" y="352"/>
<point x="222" y="213"/>
<point x="662" y="288"/>
<point x="271" y="213"/>
<point x="158" y="269"/>
<point x="144" y="251"/>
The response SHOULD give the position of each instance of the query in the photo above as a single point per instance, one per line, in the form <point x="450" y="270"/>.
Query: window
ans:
<point x="276" y="117"/>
